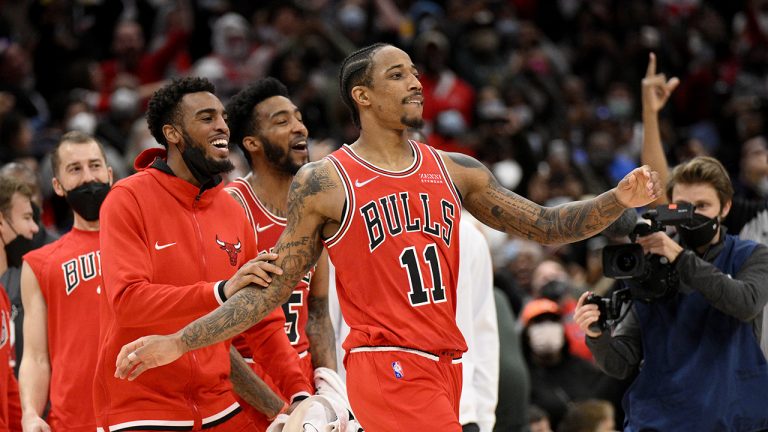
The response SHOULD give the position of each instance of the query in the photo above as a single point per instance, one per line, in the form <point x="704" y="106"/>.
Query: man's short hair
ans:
<point x="240" y="109"/>
<point x="355" y="70"/>
<point x="163" y="106"/>
<point x="73" y="137"/>
<point x="702" y="169"/>
<point x="8" y="187"/>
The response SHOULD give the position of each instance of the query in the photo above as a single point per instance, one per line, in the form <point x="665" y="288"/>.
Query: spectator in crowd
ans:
<point x="557" y="376"/>
<point x="592" y="415"/>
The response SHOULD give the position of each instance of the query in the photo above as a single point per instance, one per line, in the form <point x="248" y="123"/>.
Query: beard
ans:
<point x="412" y="122"/>
<point x="279" y="158"/>
<point x="202" y="167"/>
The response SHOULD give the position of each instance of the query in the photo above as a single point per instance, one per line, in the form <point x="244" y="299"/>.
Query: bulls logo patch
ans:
<point x="232" y="249"/>
<point x="398" y="369"/>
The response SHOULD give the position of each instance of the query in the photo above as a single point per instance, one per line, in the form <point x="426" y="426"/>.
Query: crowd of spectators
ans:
<point x="546" y="93"/>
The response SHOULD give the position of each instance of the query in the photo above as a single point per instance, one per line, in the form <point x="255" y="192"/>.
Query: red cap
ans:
<point x="538" y="307"/>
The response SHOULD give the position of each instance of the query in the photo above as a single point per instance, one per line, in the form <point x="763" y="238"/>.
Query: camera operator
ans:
<point x="700" y="365"/>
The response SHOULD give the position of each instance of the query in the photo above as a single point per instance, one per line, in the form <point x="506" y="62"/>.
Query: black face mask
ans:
<point x="202" y="168"/>
<point x="86" y="199"/>
<point x="699" y="232"/>
<point x="16" y="248"/>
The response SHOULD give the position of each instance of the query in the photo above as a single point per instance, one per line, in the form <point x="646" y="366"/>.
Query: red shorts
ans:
<point x="394" y="391"/>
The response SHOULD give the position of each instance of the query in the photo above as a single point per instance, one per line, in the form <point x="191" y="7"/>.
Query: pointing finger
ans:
<point x="651" y="71"/>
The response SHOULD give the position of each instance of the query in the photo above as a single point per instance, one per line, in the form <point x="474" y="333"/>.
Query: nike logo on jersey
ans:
<point x="359" y="183"/>
<point x="263" y="228"/>
<point x="158" y="246"/>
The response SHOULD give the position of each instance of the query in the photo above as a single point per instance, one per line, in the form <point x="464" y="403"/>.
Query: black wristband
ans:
<point x="298" y="398"/>
<point x="220" y="290"/>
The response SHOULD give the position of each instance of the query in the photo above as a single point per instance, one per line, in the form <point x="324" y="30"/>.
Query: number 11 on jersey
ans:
<point x="418" y="295"/>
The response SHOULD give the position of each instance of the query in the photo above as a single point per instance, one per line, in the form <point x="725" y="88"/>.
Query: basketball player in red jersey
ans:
<point x="387" y="209"/>
<point x="268" y="128"/>
<point x="60" y="288"/>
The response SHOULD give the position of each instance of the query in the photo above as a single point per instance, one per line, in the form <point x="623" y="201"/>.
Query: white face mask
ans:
<point x="84" y="122"/>
<point x="546" y="337"/>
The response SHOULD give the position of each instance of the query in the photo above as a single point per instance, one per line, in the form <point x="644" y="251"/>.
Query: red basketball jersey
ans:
<point x="69" y="274"/>
<point x="396" y="253"/>
<point x="268" y="228"/>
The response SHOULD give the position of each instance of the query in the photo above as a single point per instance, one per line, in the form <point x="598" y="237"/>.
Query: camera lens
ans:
<point x="626" y="262"/>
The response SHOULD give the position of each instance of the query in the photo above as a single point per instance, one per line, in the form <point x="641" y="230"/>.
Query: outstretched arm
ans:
<point x="656" y="91"/>
<point x="311" y="196"/>
<point x="506" y="211"/>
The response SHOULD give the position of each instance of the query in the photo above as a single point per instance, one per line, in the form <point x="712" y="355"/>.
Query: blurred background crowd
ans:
<point x="545" y="92"/>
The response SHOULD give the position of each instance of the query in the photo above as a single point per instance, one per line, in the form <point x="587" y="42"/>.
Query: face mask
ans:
<point x="700" y="231"/>
<point x="84" y="122"/>
<point x="16" y="248"/>
<point x="124" y="103"/>
<point x="86" y="199"/>
<point x="546" y="337"/>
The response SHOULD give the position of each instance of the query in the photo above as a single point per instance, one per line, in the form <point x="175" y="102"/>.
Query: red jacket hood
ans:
<point x="144" y="159"/>
<point x="184" y="191"/>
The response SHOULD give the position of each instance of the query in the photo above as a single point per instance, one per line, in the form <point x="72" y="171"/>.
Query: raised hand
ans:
<point x="638" y="188"/>
<point x="656" y="87"/>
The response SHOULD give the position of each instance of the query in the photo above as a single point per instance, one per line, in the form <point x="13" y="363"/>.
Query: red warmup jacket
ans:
<point x="164" y="247"/>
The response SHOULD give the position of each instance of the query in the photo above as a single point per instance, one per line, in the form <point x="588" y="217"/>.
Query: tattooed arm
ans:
<point x="315" y="202"/>
<point x="322" y="341"/>
<point x="506" y="211"/>
<point x="251" y="388"/>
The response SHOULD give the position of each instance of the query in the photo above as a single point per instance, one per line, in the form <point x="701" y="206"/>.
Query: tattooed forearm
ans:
<point x="322" y="342"/>
<point x="249" y="305"/>
<point x="298" y="249"/>
<point x="251" y="388"/>
<point x="508" y="212"/>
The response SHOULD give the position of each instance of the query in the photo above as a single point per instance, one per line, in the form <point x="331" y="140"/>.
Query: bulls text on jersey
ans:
<point x="392" y="214"/>
<point x="83" y="268"/>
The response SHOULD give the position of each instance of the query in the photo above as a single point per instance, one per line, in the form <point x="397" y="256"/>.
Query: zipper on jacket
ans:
<point x="198" y="419"/>
<point x="201" y="248"/>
